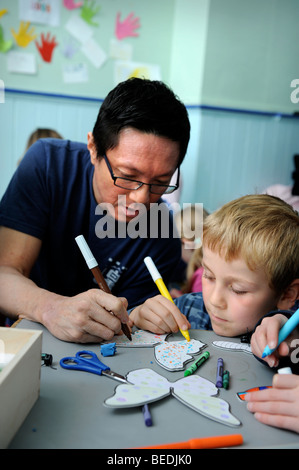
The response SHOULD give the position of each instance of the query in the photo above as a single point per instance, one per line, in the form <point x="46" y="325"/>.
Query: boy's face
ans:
<point x="235" y="297"/>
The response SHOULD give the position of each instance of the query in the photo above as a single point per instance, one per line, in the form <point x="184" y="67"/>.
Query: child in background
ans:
<point x="194" y="273"/>
<point x="189" y="222"/>
<point x="251" y="266"/>
<point x="279" y="405"/>
<point x="40" y="133"/>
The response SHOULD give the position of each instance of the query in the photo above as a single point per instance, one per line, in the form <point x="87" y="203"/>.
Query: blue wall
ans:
<point x="230" y="154"/>
<point x="217" y="55"/>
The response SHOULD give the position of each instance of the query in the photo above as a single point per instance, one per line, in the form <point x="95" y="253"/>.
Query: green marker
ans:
<point x="225" y="379"/>
<point x="197" y="364"/>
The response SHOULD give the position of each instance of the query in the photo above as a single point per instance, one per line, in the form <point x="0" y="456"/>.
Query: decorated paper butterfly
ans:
<point x="229" y="345"/>
<point x="173" y="355"/>
<point x="147" y="386"/>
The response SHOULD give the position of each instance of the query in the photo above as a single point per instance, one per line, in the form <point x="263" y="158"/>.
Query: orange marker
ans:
<point x="213" y="442"/>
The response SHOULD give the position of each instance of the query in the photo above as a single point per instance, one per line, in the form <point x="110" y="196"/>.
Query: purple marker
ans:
<point x="147" y="415"/>
<point x="219" y="379"/>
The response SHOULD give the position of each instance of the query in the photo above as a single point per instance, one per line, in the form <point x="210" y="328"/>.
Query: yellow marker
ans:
<point x="3" y="12"/>
<point x="157" y="278"/>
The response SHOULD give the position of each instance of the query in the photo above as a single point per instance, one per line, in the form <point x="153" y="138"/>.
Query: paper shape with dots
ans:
<point x="172" y="355"/>
<point x="231" y="346"/>
<point x="147" y="386"/>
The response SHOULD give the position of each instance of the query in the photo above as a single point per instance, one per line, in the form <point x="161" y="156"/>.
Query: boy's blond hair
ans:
<point x="261" y="229"/>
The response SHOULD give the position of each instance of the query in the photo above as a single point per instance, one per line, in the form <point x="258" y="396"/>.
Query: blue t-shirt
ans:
<point x="51" y="198"/>
<point x="193" y="307"/>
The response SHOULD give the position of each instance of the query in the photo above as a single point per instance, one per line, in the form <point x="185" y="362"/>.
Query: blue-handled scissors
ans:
<point x="88" y="361"/>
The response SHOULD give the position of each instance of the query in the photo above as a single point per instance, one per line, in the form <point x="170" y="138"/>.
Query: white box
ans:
<point x="20" y="359"/>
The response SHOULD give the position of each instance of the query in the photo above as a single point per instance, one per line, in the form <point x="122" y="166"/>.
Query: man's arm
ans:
<point x="86" y="317"/>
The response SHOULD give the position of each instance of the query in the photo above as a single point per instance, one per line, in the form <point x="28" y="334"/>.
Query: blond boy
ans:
<point x="251" y="267"/>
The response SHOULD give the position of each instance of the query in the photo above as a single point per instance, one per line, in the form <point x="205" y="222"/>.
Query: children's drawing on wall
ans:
<point x="46" y="12"/>
<point x="24" y="35"/>
<point x="124" y="70"/>
<point x="46" y="46"/>
<point x="127" y="27"/>
<point x="71" y="4"/>
<point x="90" y="36"/>
<point x="88" y="11"/>
<point x="5" y="45"/>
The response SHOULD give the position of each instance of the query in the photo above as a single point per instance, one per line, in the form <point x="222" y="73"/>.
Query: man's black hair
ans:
<point x="147" y="105"/>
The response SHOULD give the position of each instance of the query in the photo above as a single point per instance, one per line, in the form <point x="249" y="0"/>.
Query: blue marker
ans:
<point x="284" y="332"/>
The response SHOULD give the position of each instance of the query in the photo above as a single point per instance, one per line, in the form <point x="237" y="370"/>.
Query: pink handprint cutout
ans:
<point x="127" y="27"/>
<point x="71" y="5"/>
<point x="47" y="46"/>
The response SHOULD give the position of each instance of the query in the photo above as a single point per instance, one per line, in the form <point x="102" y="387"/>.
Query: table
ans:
<point x="70" y="414"/>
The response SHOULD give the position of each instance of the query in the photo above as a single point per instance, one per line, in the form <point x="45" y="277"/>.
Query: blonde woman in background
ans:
<point x="189" y="222"/>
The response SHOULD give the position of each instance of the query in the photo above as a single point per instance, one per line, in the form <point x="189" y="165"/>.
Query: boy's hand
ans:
<point x="277" y="406"/>
<point x="159" y="315"/>
<point x="267" y="334"/>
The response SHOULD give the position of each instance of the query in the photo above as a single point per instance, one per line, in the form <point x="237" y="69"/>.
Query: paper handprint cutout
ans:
<point x="147" y="386"/>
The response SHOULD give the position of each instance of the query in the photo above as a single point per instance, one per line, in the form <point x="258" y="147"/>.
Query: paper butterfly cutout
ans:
<point x="147" y="386"/>
<point x="241" y="395"/>
<point x="140" y="339"/>
<point x="175" y="354"/>
<point x="238" y="347"/>
<point x="172" y="355"/>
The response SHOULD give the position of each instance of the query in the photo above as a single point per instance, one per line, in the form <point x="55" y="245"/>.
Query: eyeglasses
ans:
<point x="133" y="185"/>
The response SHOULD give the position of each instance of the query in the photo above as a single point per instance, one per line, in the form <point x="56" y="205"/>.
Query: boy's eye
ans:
<point x="207" y="276"/>
<point x="238" y="292"/>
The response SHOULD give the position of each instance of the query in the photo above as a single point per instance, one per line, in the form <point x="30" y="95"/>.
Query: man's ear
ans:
<point x="289" y="296"/>
<point x="91" y="147"/>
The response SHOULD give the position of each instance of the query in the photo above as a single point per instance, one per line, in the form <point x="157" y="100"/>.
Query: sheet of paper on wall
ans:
<point x="75" y="73"/>
<point x="124" y="70"/>
<point x="79" y="28"/>
<point x="21" y="62"/>
<point x="120" y="50"/>
<point x="46" y="12"/>
<point x="94" y="53"/>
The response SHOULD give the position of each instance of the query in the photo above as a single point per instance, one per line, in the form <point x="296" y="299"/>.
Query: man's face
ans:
<point x="138" y="156"/>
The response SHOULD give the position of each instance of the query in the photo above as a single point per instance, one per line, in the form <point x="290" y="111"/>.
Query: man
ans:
<point x="63" y="189"/>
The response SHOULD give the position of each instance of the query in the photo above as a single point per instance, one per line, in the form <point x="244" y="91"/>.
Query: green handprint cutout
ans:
<point x="24" y="36"/>
<point x="4" y="45"/>
<point x="88" y="11"/>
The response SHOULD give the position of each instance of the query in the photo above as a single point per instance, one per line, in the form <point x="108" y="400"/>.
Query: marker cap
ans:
<point x="152" y="268"/>
<point x="85" y="250"/>
<point x="285" y="370"/>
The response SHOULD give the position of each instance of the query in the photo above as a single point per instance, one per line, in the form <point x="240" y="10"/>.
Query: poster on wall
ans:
<point x="40" y="11"/>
